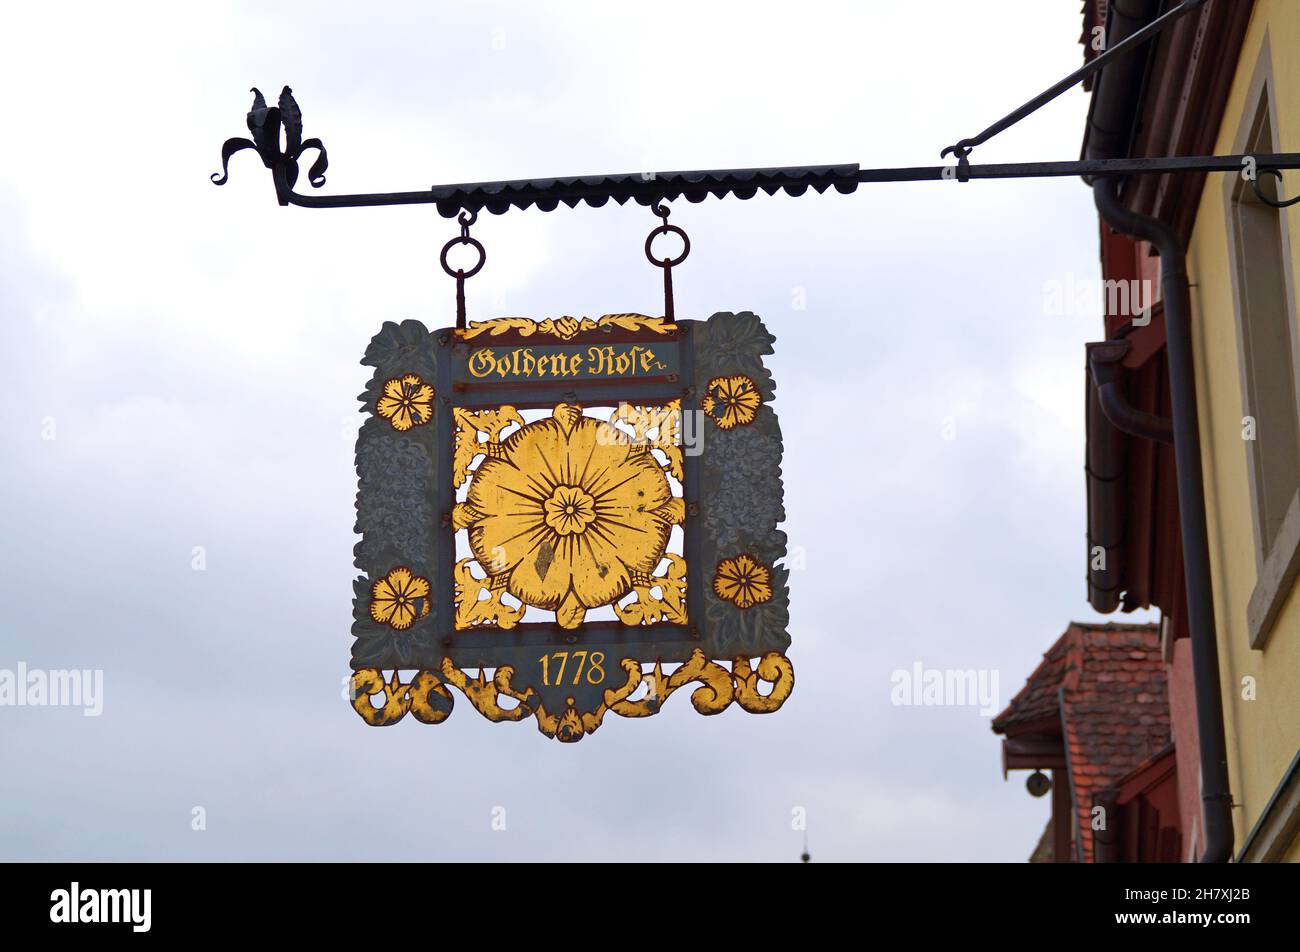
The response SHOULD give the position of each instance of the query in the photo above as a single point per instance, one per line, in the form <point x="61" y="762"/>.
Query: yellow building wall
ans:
<point x="1263" y="734"/>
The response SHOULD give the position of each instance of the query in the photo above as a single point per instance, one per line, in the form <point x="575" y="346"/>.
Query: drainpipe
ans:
<point x="1105" y="362"/>
<point x="1216" y="795"/>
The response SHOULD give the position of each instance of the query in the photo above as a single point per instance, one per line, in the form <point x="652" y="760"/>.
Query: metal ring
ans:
<point x="482" y="257"/>
<point x="665" y="229"/>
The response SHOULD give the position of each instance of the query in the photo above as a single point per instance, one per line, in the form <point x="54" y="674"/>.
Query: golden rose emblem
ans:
<point x="567" y="512"/>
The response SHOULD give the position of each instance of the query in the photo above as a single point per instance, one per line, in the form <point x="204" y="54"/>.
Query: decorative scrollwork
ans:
<point x="397" y="700"/>
<point x="713" y="695"/>
<point x="473" y="609"/>
<point x="650" y="609"/>
<point x="773" y="668"/>
<point x="565" y="328"/>
<point x="429" y="700"/>
<point x="665" y="421"/>
<point x="485" y="694"/>
<point x="265" y="124"/>
<point x="468" y="447"/>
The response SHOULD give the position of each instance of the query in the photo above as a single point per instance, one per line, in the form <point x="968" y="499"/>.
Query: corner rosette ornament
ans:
<point x="406" y="402"/>
<point x="732" y="401"/>
<point x="743" y="581"/>
<point x="399" y="598"/>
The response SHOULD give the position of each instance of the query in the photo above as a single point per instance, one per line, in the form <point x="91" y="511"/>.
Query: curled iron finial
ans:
<point x="1267" y="200"/>
<point x="265" y="123"/>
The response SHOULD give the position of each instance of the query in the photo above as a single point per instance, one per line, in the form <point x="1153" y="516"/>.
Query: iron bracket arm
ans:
<point x="649" y="188"/>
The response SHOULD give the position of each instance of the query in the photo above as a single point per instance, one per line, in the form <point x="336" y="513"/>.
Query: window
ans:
<point x="1265" y="325"/>
<point x="1268" y="340"/>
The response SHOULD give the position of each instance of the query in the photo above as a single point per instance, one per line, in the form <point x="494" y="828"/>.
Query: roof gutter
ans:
<point x="1108" y="132"/>
<point x="1110" y="124"/>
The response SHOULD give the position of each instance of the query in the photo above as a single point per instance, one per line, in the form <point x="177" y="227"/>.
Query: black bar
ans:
<point x="363" y="883"/>
<point x="497" y="197"/>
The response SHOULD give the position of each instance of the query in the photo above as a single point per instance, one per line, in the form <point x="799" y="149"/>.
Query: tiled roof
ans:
<point x="1040" y="698"/>
<point x="1107" y="686"/>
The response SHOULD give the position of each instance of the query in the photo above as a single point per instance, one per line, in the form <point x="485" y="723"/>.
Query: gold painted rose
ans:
<point x="568" y="512"/>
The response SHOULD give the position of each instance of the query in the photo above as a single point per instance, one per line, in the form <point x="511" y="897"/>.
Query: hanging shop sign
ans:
<point x="569" y="517"/>
<point x="588" y="507"/>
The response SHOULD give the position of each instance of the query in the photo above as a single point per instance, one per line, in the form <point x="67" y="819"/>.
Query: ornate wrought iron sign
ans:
<point x="575" y="504"/>
<point x="587" y="507"/>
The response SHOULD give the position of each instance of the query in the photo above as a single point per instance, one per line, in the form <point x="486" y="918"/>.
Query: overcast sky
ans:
<point x="179" y="369"/>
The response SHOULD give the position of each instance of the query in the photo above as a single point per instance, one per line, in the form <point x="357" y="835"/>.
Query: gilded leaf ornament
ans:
<point x="666" y="423"/>
<point x="564" y="328"/>
<point x="478" y="601"/>
<point x="717" y="689"/>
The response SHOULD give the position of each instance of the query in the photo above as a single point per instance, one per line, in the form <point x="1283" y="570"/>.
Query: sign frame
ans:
<point x="437" y="405"/>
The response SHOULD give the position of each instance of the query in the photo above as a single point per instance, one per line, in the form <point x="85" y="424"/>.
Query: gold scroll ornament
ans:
<point x="427" y="697"/>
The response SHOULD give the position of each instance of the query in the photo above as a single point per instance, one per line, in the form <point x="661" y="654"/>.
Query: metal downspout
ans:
<point x="1216" y="795"/>
<point x="1105" y="362"/>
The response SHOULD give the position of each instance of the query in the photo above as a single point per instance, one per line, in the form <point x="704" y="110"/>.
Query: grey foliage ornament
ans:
<point x="741" y="493"/>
